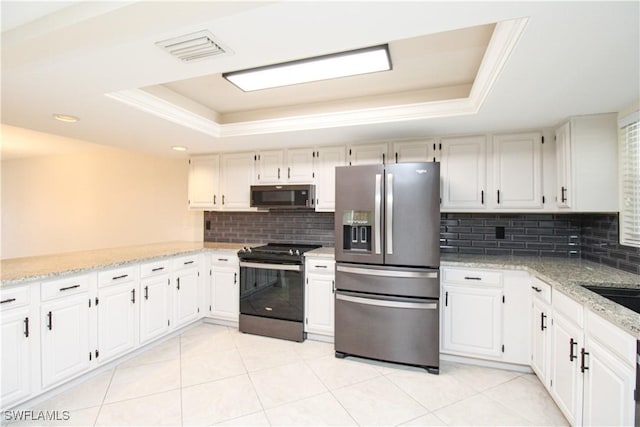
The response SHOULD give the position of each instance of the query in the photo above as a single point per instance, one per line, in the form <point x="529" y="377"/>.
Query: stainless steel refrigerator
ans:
<point x="387" y="226"/>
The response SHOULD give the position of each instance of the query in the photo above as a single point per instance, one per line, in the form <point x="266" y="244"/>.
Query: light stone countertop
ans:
<point x="321" y="253"/>
<point x="17" y="271"/>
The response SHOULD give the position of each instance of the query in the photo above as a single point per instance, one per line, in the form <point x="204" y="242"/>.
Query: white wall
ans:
<point x="92" y="198"/>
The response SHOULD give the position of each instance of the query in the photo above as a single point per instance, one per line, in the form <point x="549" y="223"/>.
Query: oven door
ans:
<point x="272" y="290"/>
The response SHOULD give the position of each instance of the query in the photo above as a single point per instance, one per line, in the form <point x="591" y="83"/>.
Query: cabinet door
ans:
<point x="187" y="291"/>
<point x="117" y="320"/>
<point x="463" y="176"/>
<point x="237" y="177"/>
<point x="65" y="338"/>
<point x="327" y="159"/>
<point x="564" y="186"/>
<point x="300" y="165"/>
<point x="540" y="349"/>
<point x="16" y="356"/>
<point x="225" y="294"/>
<point x="270" y="168"/>
<point x="204" y="182"/>
<point x="154" y="307"/>
<point x="319" y="304"/>
<point x="472" y="323"/>
<point x="566" y="379"/>
<point x="414" y="151"/>
<point x="608" y="388"/>
<point x="368" y="154"/>
<point x="517" y="166"/>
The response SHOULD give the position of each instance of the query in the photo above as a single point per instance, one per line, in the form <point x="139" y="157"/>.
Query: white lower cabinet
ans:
<point x="541" y="330"/>
<point x="187" y="290"/>
<point x="225" y="290"/>
<point x="117" y="320"/>
<point x="155" y="302"/>
<point x="319" y="296"/>
<point x="64" y="326"/>
<point x="16" y="340"/>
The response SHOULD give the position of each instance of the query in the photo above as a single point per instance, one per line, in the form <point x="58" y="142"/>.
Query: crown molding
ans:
<point x="503" y="41"/>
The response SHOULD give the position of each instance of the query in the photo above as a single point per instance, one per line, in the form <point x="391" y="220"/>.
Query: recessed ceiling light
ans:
<point x="179" y="148"/>
<point x="343" y="64"/>
<point x="65" y="118"/>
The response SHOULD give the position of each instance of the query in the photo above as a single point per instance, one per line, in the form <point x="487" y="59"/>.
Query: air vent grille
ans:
<point x="193" y="47"/>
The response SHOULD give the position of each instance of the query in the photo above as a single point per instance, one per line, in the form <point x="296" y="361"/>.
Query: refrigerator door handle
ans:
<point x="387" y="303"/>
<point x="377" y="209"/>
<point x="389" y="214"/>
<point x="389" y="273"/>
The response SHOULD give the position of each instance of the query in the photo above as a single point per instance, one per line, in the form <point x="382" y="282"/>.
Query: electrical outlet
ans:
<point x="499" y="232"/>
<point x="208" y="225"/>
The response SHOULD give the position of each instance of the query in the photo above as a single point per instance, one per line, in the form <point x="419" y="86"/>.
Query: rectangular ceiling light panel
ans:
<point x="193" y="46"/>
<point x="361" y="61"/>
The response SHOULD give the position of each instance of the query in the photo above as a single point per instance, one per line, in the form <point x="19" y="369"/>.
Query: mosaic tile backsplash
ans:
<point x="590" y="236"/>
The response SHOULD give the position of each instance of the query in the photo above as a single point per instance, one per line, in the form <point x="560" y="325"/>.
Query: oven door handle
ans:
<point x="288" y="267"/>
<point x="387" y="303"/>
<point x="388" y="273"/>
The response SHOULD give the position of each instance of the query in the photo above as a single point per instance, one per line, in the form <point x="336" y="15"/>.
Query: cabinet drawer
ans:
<point x="154" y="268"/>
<point x="64" y="287"/>
<point x="185" y="262"/>
<point x="568" y="308"/>
<point x="469" y="276"/>
<point x="116" y="276"/>
<point x="14" y="297"/>
<point x="224" y="259"/>
<point x="612" y="337"/>
<point x="315" y="265"/>
<point x="541" y="290"/>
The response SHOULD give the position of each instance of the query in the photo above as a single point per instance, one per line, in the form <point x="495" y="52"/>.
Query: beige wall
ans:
<point x="91" y="198"/>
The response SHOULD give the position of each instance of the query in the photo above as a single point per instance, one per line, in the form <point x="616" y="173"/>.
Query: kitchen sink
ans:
<point x="626" y="297"/>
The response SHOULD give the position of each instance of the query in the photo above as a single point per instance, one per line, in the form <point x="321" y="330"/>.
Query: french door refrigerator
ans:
<point x="387" y="226"/>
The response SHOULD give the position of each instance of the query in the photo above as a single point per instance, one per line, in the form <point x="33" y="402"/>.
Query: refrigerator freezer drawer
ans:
<point x="400" y="330"/>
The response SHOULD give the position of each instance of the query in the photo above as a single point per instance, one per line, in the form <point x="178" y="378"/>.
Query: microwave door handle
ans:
<point x="389" y="214"/>
<point x="377" y="209"/>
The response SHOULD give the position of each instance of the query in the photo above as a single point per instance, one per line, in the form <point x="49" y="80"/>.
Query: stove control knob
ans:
<point x="249" y="250"/>
<point x="297" y="252"/>
<point x="290" y="251"/>
<point x="244" y="249"/>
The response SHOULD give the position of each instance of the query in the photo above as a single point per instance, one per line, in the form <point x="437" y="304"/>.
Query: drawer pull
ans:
<point x="223" y="259"/>
<point x="69" y="288"/>
<point x="7" y="300"/>
<point x="188" y="262"/>
<point x="536" y="289"/>
<point x="119" y="277"/>
<point x="320" y="266"/>
<point x="472" y="278"/>
<point x="157" y="269"/>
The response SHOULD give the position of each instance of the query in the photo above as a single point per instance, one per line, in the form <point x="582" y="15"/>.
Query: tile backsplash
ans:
<point x="590" y="236"/>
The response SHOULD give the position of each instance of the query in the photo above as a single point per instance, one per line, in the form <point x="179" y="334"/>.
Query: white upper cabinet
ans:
<point x="463" y="173"/>
<point x="517" y="171"/>
<point x="269" y="167"/>
<point x="587" y="164"/>
<point x="300" y="166"/>
<point x="237" y="177"/>
<point x="204" y="182"/>
<point x="414" y="151"/>
<point x="368" y="154"/>
<point x="327" y="159"/>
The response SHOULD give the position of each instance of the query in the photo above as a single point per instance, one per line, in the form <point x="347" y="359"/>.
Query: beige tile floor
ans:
<point x="214" y="375"/>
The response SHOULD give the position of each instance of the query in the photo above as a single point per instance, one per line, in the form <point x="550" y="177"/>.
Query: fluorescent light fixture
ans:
<point x="179" y="148"/>
<point x="65" y="118"/>
<point x="343" y="64"/>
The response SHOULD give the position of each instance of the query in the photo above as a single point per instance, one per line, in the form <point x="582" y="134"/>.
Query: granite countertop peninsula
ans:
<point x="15" y="271"/>
<point x="323" y="252"/>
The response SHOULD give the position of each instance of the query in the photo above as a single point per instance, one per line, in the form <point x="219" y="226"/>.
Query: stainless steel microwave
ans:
<point x="283" y="196"/>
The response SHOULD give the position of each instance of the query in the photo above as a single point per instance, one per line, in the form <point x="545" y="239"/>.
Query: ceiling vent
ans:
<point x="193" y="47"/>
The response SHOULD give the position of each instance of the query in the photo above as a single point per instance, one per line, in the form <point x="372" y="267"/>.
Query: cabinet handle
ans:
<point x="157" y="269"/>
<point x="542" y="325"/>
<point x="214" y="199"/>
<point x="119" y="277"/>
<point x="235" y="278"/>
<point x="69" y="288"/>
<point x="288" y="173"/>
<point x="535" y="288"/>
<point x="396" y="157"/>
<point x="223" y="259"/>
<point x="188" y="262"/>
<point x="320" y="266"/>
<point x="223" y="199"/>
<point x="571" y="344"/>
<point x="583" y="367"/>
<point x="563" y="196"/>
<point x="50" y="321"/>
<point x="481" y="196"/>
<point x="4" y="301"/>
<point x="133" y="296"/>
<point x="178" y="283"/>
<point x="333" y="286"/>
<point x="472" y="278"/>
<point x="498" y="196"/>
<point x="446" y="299"/>
<point x="278" y="173"/>
<point x="146" y="292"/>
<point x="26" y="327"/>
